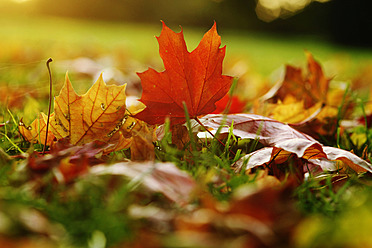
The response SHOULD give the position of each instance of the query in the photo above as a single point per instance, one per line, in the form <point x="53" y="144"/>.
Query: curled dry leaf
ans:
<point x="311" y="89"/>
<point x="314" y="158"/>
<point x="251" y="126"/>
<point x="192" y="78"/>
<point x="165" y="178"/>
<point x="277" y="135"/>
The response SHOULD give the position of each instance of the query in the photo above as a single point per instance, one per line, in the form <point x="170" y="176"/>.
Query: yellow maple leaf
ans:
<point x="98" y="115"/>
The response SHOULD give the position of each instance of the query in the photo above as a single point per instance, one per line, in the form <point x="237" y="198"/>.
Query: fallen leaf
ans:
<point x="36" y="131"/>
<point x="142" y="147"/>
<point x="305" y="102"/>
<point x="311" y="89"/>
<point x="251" y="126"/>
<point x="277" y="135"/>
<point x="293" y="111"/>
<point x="315" y="158"/>
<point x="165" y="178"/>
<point x="192" y="78"/>
<point x="348" y="158"/>
<point x="97" y="115"/>
<point x="253" y="217"/>
<point x="93" y="116"/>
<point x="181" y="137"/>
<point x="229" y="105"/>
<point x="67" y="161"/>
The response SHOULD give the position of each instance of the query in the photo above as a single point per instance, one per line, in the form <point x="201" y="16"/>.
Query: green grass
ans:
<point x="264" y="52"/>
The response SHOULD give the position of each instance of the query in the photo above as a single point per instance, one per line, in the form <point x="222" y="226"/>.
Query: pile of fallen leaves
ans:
<point x="190" y="163"/>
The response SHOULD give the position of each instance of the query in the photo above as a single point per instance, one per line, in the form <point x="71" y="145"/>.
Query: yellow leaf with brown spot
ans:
<point x="98" y="115"/>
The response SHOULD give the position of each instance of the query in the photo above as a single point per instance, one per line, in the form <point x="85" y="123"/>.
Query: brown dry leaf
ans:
<point x="180" y="137"/>
<point x="311" y="89"/>
<point x="142" y="148"/>
<point x="36" y="131"/>
<point x="304" y="102"/>
<point x="67" y="161"/>
<point x="253" y="217"/>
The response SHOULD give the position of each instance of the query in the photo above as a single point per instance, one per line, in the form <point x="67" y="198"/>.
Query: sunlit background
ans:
<point x="340" y="20"/>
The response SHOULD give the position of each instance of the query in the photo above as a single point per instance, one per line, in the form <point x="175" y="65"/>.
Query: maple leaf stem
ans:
<point x="50" y="102"/>
<point x="201" y="124"/>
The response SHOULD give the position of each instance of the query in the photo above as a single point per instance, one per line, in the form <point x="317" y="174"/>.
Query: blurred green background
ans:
<point x="268" y="33"/>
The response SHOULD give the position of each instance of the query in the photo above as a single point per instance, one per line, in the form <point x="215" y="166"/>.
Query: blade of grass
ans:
<point x="13" y="144"/>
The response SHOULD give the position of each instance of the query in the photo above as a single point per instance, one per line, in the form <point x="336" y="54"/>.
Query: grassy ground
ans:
<point x="115" y="211"/>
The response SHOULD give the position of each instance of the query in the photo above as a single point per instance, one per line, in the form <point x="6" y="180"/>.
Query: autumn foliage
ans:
<point x="194" y="79"/>
<point x="193" y="83"/>
<point x="162" y="144"/>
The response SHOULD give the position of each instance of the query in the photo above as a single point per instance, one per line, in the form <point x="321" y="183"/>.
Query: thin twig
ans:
<point x="50" y="102"/>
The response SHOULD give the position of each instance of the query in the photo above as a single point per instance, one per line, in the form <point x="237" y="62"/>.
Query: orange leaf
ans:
<point x="311" y="89"/>
<point x="229" y="105"/>
<point x="193" y="78"/>
<point x="304" y="101"/>
<point x="36" y="131"/>
<point x="61" y="122"/>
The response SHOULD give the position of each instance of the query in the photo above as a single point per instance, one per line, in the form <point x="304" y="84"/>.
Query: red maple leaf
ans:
<point x="229" y="105"/>
<point x="192" y="78"/>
